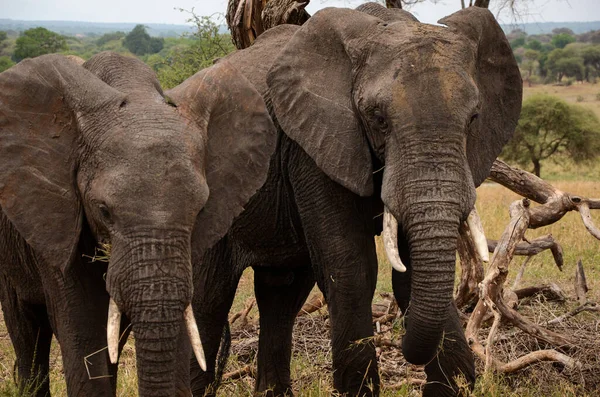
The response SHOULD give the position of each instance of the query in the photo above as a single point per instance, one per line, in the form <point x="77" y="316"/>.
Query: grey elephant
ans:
<point x="377" y="113"/>
<point x="97" y="153"/>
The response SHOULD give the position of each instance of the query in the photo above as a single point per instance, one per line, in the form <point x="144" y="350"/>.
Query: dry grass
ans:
<point x="587" y="91"/>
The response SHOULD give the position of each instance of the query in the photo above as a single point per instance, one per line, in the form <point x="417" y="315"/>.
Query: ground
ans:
<point x="311" y="366"/>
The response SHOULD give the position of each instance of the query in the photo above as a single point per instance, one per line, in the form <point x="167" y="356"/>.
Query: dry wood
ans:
<point x="549" y="291"/>
<point x="581" y="287"/>
<point x="471" y="267"/>
<point x="491" y="292"/>
<point x="535" y="246"/>
<point x="404" y="382"/>
<point x="393" y="3"/>
<point x="248" y="19"/>
<point x="243" y="314"/>
<point x="556" y="203"/>
<point x="247" y="370"/>
<point x="381" y="341"/>
<point x="315" y="302"/>
<point x="586" y="307"/>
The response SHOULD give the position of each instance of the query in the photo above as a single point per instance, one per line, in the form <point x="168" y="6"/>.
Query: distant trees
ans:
<point x="38" y="41"/>
<point x="5" y="63"/>
<point x="548" y="127"/>
<point x="562" y="39"/>
<point x="139" y="42"/>
<point x="105" y="38"/>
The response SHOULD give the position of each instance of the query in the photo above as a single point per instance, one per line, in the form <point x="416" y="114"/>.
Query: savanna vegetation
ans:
<point x="557" y="138"/>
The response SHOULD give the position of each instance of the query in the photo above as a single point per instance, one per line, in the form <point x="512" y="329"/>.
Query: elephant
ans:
<point x="376" y="113"/>
<point x="96" y="153"/>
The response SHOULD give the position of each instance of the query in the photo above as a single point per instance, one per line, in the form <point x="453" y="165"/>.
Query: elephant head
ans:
<point x="99" y="149"/>
<point x="433" y="104"/>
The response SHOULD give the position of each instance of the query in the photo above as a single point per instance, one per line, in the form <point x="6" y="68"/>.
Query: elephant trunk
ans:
<point x="150" y="280"/>
<point x="432" y="245"/>
<point x="430" y="196"/>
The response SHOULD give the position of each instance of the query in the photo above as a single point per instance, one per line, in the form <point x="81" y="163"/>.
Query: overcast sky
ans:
<point x="163" y="11"/>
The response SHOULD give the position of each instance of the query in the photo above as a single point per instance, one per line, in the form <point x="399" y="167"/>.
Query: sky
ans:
<point x="166" y="11"/>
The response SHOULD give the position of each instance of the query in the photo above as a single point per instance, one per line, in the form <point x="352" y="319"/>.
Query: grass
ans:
<point x="311" y="369"/>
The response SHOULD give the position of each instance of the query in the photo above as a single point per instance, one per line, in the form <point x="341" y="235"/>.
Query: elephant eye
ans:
<point x="473" y="118"/>
<point x="105" y="212"/>
<point x="380" y="120"/>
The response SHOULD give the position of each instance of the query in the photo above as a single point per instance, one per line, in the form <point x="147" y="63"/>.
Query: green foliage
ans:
<point x="580" y="98"/>
<point x="38" y="41"/>
<point x="562" y="39"/>
<point x="535" y="45"/>
<point x="139" y="42"/>
<point x="207" y="45"/>
<point x="549" y="126"/>
<point x="105" y="38"/>
<point x="518" y="42"/>
<point x="5" y="63"/>
<point x="565" y="62"/>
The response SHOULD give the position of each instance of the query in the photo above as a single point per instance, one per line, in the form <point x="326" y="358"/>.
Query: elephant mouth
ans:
<point x="390" y="238"/>
<point x="113" y="328"/>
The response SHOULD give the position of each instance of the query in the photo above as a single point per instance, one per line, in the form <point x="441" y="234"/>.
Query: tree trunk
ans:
<point x="536" y="167"/>
<point x="248" y="19"/>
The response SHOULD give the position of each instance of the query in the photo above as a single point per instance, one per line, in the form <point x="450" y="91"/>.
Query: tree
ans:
<point x="535" y="45"/>
<point x="105" y="38"/>
<point x="565" y="62"/>
<point x="562" y="39"/>
<point x="139" y="42"/>
<point x="5" y="63"/>
<point x="183" y="61"/>
<point x="550" y="127"/>
<point x="38" y="41"/>
<point x="591" y="60"/>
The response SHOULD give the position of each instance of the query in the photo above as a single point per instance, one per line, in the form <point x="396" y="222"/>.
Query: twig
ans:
<point x="240" y="373"/>
<point x="586" y="307"/>
<point x="243" y="314"/>
<point x="580" y="282"/>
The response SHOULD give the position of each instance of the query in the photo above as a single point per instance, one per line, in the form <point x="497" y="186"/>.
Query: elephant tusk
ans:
<point x="192" y="329"/>
<point x="476" y="229"/>
<point x="113" y="327"/>
<point x="390" y="241"/>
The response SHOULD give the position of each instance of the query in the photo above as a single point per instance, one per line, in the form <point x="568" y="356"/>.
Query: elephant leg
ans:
<point x="338" y="229"/>
<point x="31" y="336"/>
<point x="454" y="358"/>
<point x="77" y="304"/>
<point x="215" y="283"/>
<point x="280" y="294"/>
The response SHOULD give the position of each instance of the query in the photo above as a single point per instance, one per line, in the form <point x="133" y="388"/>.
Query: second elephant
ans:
<point x="377" y="113"/>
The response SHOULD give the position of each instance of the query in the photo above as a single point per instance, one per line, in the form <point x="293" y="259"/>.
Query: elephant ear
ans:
<point x="240" y="138"/>
<point x="310" y="87"/>
<point x="41" y="101"/>
<point x="500" y="87"/>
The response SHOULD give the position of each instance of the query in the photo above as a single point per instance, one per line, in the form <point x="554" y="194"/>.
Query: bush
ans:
<point x="569" y="81"/>
<point x="6" y="63"/>
<point x="598" y="96"/>
<point x="580" y="98"/>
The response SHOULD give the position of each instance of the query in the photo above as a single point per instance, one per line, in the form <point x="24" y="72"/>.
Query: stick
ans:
<point x="580" y="282"/>
<point x="240" y="373"/>
<point x="586" y="307"/>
